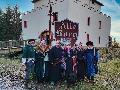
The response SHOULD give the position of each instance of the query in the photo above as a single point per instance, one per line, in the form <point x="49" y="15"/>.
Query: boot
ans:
<point x="27" y="84"/>
<point x="92" y="80"/>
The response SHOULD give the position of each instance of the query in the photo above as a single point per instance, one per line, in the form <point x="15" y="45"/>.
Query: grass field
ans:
<point x="108" y="77"/>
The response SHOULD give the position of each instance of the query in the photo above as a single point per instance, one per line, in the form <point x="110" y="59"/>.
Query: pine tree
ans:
<point x="17" y="26"/>
<point x="1" y="24"/>
<point x="2" y="31"/>
<point x="10" y="24"/>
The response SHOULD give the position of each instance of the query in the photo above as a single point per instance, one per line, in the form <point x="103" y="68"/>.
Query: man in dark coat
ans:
<point x="71" y="65"/>
<point x="91" y="56"/>
<point x="55" y="57"/>
<point x="81" y="66"/>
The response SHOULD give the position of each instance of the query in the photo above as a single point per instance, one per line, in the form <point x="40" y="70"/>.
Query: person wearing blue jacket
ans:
<point x="91" y="57"/>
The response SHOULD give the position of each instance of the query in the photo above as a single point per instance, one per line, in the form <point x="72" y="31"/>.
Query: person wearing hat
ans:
<point x="91" y="57"/>
<point x="28" y="58"/>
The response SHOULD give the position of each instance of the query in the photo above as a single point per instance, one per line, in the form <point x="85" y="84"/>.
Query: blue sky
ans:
<point x="24" y="5"/>
<point x="111" y="8"/>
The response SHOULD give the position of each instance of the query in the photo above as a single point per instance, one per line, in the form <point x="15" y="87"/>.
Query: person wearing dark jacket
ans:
<point x="74" y="58"/>
<point x="81" y="66"/>
<point x="71" y="66"/>
<point x="39" y="62"/>
<point x="55" y="57"/>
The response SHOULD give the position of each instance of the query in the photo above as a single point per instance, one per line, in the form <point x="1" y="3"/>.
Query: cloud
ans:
<point x="112" y="8"/>
<point x="115" y="25"/>
<point x="115" y="30"/>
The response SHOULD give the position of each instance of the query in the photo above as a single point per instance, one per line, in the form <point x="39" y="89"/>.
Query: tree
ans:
<point x="17" y="23"/>
<point x="10" y="24"/>
<point x="1" y="25"/>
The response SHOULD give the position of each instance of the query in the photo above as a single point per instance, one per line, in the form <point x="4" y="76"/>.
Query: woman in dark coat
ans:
<point x="39" y="62"/>
<point x="74" y="58"/>
<point x="81" y="66"/>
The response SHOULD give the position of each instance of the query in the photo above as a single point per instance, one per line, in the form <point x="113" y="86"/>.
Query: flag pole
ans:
<point x="50" y="14"/>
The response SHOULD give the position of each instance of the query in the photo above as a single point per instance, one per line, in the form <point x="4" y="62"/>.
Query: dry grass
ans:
<point x="108" y="77"/>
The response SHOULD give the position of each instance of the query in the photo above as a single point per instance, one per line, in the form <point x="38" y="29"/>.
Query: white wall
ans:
<point x="81" y="15"/>
<point x="89" y="4"/>
<point x="38" y="20"/>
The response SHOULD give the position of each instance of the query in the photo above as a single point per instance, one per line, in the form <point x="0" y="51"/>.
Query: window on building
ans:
<point x="88" y="37"/>
<point x="25" y="24"/>
<point x="99" y="40"/>
<point x="100" y="24"/>
<point x="55" y="16"/>
<point x="93" y="1"/>
<point x="88" y="21"/>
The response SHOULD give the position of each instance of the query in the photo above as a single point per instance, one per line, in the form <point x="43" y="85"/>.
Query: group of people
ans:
<point x="60" y="62"/>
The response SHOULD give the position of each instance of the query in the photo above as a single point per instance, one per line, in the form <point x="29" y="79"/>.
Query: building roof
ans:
<point x="34" y="1"/>
<point x="98" y="3"/>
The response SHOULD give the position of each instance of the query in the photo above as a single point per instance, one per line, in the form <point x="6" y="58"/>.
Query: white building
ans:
<point x="93" y="24"/>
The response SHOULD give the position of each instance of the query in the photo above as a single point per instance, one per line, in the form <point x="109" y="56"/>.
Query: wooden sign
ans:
<point x="66" y="30"/>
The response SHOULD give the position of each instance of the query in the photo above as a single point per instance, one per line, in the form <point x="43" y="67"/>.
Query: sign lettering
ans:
<point x="66" y="29"/>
